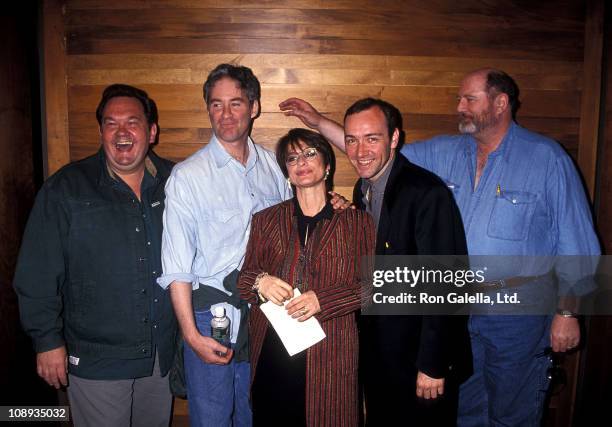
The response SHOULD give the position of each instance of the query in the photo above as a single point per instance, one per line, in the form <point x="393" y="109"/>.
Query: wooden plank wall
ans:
<point x="412" y="53"/>
<point x="330" y="52"/>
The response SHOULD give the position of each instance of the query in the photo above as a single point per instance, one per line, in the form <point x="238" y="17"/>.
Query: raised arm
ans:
<point x="304" y="111"/>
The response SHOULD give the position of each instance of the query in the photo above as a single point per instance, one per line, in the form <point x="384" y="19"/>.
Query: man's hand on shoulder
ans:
<point x="339" y="203"/>
<point x="428" y="387"/>
<point x="52" y="366"/>
<point x="209" y="350"/>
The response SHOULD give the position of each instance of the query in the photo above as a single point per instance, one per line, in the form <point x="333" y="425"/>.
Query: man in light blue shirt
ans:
<point x="519" y="194"/>
<point x="210" y="198"/>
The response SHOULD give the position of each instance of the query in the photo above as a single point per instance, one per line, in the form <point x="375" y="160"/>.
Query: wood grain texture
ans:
<point x="413" y="54"/>
<point x="55" y="94"/>
<point x="591" y="94"/>
<point x="330" y="52"/>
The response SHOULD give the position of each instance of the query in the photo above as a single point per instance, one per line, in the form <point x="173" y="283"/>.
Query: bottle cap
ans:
<point x="219" y="312"/>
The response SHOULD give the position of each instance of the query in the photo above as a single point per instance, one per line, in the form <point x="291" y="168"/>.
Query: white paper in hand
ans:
<point x="296" y="336"/>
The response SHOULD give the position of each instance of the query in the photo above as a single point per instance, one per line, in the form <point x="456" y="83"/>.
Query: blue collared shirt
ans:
<point x="529" y="200"/>
<point x="210" y="199"/>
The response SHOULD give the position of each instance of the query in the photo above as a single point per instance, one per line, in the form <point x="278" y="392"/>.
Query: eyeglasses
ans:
<point x="309" y="155"/>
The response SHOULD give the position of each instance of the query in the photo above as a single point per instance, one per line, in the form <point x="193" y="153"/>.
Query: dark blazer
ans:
<point x="329" y="265"/>
<point x="418" y="217"/>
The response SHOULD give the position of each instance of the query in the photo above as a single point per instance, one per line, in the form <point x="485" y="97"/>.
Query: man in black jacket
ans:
<point x="411" y="365"/>
<point x="87" y="269"/>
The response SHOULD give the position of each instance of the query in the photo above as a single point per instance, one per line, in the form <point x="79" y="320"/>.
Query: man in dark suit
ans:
<point x="410" y="365"/>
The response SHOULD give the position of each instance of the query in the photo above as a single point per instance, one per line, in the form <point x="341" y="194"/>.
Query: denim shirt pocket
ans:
<point x="512" y="215"/>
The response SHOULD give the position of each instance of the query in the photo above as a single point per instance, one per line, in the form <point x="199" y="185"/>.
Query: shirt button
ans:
<point x="155" y="326"/>
<point x="154" y="272"/>
<point x="145" y="320"/>
<point x="144" y="215"/>
<point x="142" y="259"/>
<point x="149" y="243"/>
<point x="155" y="300"/>
<point x="143" y="291"/>
<point x="137" y="229"/>
<point x="144" y="350"/>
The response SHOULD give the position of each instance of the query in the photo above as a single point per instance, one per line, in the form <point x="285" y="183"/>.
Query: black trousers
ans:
<point x="278" y="393"/>
<point x="388" y="376"/>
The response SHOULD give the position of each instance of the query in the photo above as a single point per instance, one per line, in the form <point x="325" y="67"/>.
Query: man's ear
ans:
<point x="501" y="103"/>
<point x="152" y="133"/>
<point x="395" y="138"/>
<point x="255" y="109"/>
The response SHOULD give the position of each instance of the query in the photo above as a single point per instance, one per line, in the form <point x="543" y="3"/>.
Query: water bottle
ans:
<point x="220" y="328"/>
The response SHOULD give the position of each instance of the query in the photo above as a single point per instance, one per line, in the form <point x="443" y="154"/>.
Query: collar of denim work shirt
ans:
<point x="504" y="148"/>
<point x="222" y="157"/>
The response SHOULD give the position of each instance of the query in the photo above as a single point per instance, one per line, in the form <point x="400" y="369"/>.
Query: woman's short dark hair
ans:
<point x="117" y="90"/>
<point x="239" y="73"/>
<point x="311" y="139"/>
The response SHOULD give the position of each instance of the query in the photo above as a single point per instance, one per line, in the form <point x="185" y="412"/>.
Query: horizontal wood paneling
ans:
<point x="444" y="28"/>
<point x="542" y="68"/>
<point x="330" y="52"/>
<point x="413" y="99"/>
<point x="343" y="76"/>
<point x="412" y="53"/>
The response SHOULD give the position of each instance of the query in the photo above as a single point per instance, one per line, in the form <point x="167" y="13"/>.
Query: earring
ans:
<point x="326" y="175"/>
<point x="288" y="182"/>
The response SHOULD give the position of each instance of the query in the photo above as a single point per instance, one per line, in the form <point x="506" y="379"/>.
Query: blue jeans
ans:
<point x="218" y="395"/>
<point x="509" y="384"/>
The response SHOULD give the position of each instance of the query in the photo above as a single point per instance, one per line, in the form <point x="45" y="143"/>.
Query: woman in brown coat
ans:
<point x="303" y="243"/>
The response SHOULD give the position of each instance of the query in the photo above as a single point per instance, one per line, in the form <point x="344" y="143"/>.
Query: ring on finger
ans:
<point x="304" y="311"/>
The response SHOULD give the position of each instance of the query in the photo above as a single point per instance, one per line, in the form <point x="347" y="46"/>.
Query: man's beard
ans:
<point x="477" y="124"/>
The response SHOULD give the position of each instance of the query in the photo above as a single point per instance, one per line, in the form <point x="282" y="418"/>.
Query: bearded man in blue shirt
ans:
<point x="519" y="195"/>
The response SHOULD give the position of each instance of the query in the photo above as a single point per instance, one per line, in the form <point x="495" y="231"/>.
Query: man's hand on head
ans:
<point x="301" y="109"/>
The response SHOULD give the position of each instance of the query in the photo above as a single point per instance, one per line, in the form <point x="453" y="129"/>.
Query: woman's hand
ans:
<point x="304" y="307"/>
<point x="274" y="289"/>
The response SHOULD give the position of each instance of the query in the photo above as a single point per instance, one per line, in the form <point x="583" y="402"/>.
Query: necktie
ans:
<point x="369" y="195"/>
